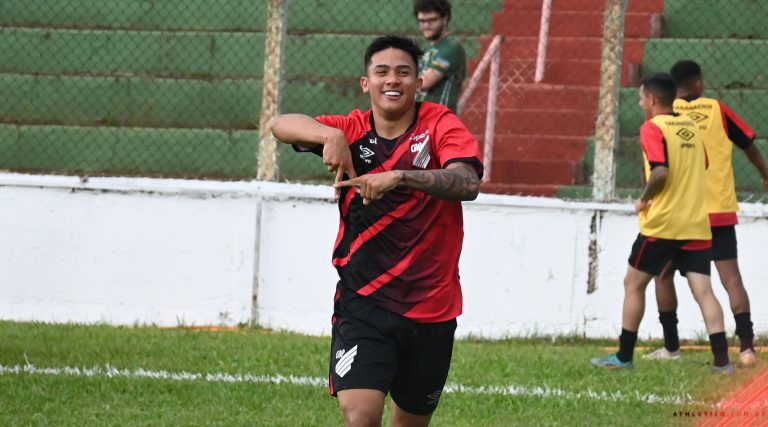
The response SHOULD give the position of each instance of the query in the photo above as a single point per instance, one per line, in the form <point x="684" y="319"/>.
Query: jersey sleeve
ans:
<point x="445" y="60"/>
<point x="456" y="144"/>
<point x="654" y="145"/>
<point x="738" y="131"/>
<point x="343" y="123"/>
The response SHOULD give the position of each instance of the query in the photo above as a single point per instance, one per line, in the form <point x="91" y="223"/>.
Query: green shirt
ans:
<point x="447" y="57"/>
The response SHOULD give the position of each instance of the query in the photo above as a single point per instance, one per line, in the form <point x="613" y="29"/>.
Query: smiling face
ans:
<point x="392" y="82"/>
<point x="432" y="25"/>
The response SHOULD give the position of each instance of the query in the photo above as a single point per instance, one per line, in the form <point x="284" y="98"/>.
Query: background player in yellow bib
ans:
<point x="721" y="129"/>
<point x="674" y="226"/>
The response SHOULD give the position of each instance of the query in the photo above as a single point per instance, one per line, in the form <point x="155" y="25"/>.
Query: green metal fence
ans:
<point x="730" y="42"/>
<point x="173" y="88"/>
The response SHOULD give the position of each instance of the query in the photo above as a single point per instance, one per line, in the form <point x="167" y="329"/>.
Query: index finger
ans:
<point x="348" y="183"/>
<point x="339" y="178"/>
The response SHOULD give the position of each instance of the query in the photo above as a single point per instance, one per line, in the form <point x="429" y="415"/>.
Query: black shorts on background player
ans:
<point x="724" y="243"/>
<point x="651" y="255"/>
<point x="373" y="348"/>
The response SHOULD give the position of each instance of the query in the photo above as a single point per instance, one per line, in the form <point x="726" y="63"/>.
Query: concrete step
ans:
<point x="536" y="147"/>
<point x="567" y="48"/>
<point x="575" y="5"/>
<point x="543" y="190"/>
<point x="568" y="24"/>
<point x="538" y="97"/>
<point x="568" y="123"/>
<point x="552" y="172"/>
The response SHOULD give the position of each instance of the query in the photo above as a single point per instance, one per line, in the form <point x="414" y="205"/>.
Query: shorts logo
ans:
<point x="345" y="360"/>
<point x="433" y="398"/>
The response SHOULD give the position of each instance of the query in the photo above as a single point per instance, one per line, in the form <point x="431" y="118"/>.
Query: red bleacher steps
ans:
<point x="541" y="129"/>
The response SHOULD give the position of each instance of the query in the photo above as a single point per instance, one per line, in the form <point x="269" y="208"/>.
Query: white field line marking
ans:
<point x="109" y="371"/>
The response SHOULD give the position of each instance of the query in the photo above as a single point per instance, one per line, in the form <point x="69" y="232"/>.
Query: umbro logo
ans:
<point x="433" y="398"/>
<point x="685" y="134"/>
<point x="344" y="360"/>
<point x="697" y="117"/>
<point x="366" y="152"/>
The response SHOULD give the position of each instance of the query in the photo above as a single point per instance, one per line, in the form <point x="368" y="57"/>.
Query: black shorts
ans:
<point x="724" y="243"/>
<point x="651" y="255"/>
<point x="373" y="348"/>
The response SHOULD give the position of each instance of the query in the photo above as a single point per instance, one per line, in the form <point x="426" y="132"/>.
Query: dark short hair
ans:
<point x="686" y="72"/>
<point x="395" y="42"/>
<point x="442" y="7"/>
<point x="662" y="85"/>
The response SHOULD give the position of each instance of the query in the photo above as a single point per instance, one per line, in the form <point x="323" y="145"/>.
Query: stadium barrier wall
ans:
<point x="131" y="251"/>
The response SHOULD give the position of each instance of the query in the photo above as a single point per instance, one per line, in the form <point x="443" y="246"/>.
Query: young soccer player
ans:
<point x="721" y="129"/>
<point x="674" y="226"/>
<point x="408" y="166"/>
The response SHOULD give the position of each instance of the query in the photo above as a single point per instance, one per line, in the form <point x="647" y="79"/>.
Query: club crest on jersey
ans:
<point x="366" y="152"/>
<point x="422" y="149"/>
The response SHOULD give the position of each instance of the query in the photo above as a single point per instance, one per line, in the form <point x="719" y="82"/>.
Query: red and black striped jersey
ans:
<point x="402" y="251"/>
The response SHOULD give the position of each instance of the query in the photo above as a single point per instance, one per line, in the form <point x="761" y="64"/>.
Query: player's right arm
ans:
<point x="303" y="130"/>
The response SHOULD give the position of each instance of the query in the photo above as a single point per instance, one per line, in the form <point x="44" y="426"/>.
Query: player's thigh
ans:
<point x="363" y="353"/>
<point x="650" y="255"/>
<point x="696" y="267"/>
<point x="724" y="245"/>
<point x="424" y="366"/>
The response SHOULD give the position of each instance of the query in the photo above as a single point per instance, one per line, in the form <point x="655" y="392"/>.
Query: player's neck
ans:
<point x="665" y="110"/>
<point x="392" y="127"/>
<point x="441" y="38"/>
<point x="687" y="94"/>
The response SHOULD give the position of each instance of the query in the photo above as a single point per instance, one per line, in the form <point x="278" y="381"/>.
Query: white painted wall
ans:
<point x="170" y="252"/>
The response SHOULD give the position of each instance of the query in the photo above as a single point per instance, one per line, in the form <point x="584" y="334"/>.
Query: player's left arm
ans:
<point x="430" y="78"/>
<point x="444" y="63"/>
<point x="457" y="182"/>
<point x="754" y="156"/>
<point x="744" y="137"/>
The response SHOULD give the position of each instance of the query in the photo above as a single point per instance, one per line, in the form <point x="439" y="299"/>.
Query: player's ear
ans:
<point x="419" y="83"/>
<point x="364" y="84"/>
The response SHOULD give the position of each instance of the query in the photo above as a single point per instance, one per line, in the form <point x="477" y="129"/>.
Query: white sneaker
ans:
<point x="747" y="358"/>
<point x="663" y="354"/>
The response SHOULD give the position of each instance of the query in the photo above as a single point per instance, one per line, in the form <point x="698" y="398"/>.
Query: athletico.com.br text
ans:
<point x="727" y="413"/>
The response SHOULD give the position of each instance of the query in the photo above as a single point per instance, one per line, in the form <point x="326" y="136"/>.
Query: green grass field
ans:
<point x="73" y="375"/>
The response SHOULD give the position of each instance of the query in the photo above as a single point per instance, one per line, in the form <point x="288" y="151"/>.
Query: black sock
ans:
<point x="719" y="345"/>
<point x="627" y="342"/>
<point x="668" y="321"/>
<point x="744" y="331"/>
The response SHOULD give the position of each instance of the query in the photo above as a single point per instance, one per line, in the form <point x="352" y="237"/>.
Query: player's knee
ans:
<point x="732" y="283"/>
<point x="361" y="416"/>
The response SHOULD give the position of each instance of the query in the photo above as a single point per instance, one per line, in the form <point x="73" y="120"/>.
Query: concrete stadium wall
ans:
<point x="173" y="252"/>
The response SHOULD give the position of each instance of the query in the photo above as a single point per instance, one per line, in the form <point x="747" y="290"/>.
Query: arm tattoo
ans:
<point x="655" y="183"/>
<point x="458" y="183"/>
